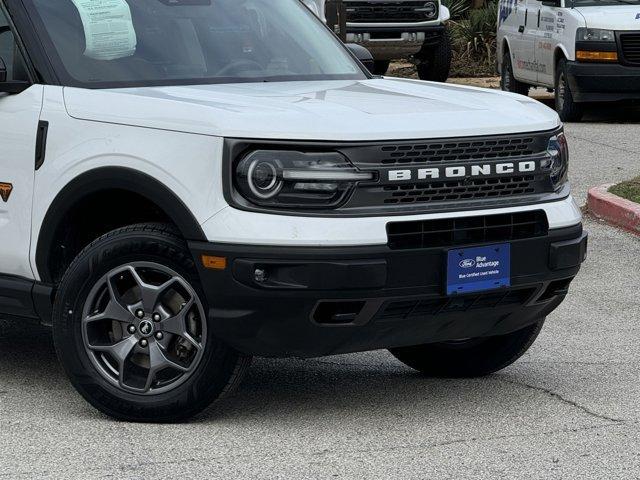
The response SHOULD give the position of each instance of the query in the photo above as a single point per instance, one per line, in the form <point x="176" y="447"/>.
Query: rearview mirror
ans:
<point x="362" y="54"/>
<point x="10" y="86"/>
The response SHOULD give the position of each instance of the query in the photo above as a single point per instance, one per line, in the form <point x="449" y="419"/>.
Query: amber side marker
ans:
<point x="214" y="263"/>
<point x="596" y="56"/>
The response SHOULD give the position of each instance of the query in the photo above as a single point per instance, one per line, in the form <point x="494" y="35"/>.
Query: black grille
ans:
<point x="630" y="43"/>
<point x="482" y="149"/>
<point x="462" y="190"/>
<point x="388" y="12"/>
<point x="467" y="230"/>
<point x="404" y="309"/>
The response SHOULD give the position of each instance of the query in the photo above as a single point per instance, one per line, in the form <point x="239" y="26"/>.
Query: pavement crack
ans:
<point x="602" y="144"/>
<point x="562" y="399"/>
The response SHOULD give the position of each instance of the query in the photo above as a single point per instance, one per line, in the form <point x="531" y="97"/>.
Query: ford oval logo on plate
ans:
<point x="467" y="263"/>
<point x="476" y="269"/>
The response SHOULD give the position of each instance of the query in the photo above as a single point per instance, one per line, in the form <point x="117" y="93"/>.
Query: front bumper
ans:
<point x="325" y="301"/>
<point x="600" y="82"/>
<point x="391" y="42"/>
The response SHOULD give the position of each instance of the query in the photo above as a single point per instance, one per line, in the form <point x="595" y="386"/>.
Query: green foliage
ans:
<point x="474" y="35"/>
<point x="458" y="8"/>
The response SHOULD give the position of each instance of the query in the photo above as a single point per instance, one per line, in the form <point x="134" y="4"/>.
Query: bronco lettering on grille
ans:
<point x="462" y="171"/>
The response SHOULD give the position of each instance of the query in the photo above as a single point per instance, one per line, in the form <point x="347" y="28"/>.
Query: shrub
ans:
<point x="474" y="37"/>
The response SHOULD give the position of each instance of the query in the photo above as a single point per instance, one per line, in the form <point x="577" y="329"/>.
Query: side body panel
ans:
<point x="19" y="115"/>
<point x="512" y="17"/>
<point x="556" y="37"/>
<point x="186" y="164"/>
<point x="526" y="67"/>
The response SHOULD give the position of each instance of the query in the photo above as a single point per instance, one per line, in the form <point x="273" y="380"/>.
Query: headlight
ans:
<point x="557" y="161"/>
<point x="291" y="179"/>
<point x="595" y="35"/>
<point x="429" y="10"/>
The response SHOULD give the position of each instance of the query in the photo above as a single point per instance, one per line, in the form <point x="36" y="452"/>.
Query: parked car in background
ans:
<point x="583" y="50"/>
<point x="394" y="29"/>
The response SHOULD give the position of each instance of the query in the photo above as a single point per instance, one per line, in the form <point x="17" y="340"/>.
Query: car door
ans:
<point x="525" y="66"/>
<point x="19" y="115"/>
<point x="550" y="32"/>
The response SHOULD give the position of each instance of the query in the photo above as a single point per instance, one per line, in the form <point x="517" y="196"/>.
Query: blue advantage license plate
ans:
<point x="478" y="268"/>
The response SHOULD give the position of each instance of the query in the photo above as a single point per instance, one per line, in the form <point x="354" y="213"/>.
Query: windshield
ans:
<point x="600" y="3"/>
<point x="119" y="43"/>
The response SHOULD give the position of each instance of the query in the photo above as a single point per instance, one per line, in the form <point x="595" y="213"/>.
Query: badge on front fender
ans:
<point x="5" y="191"/>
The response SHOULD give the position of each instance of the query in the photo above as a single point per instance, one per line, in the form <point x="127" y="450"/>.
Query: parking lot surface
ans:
<point x="569" y="409"/>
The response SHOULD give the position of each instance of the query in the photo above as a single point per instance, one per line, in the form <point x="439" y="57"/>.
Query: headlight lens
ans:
<point x="557" y="161"/>
<point x="430" y="10"/>
<point x="291" y="179"/>
<point x="595" y="35"/>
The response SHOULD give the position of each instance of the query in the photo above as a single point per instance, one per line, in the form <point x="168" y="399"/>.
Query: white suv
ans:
<point x="187" y="184"/>
<point x="585" y="50"/>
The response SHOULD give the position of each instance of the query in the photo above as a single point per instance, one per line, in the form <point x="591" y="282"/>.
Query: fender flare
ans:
<point x="562" y="49"/>
<point x="108" y="178"/>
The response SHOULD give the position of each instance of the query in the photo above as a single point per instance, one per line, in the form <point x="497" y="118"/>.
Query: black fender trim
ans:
<point x="109" y="178"/>
<point x="22" y="299"/>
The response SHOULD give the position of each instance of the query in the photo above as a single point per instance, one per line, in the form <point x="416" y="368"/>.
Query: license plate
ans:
<point x="477" y="269"/>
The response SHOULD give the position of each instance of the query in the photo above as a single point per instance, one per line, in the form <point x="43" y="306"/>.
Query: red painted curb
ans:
<point x="613" y="209"/>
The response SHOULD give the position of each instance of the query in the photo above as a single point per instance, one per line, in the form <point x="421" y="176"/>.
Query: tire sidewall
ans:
<point x="506" y="74"/>
<point x="90" y="266"/>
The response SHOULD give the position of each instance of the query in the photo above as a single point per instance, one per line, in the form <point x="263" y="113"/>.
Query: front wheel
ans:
<point x="567" y="108"/>
<point x="435" y="61"/>
<point x="381" y="67"/>
<point x="508" y="81"/>
<point x="131" y="329"/>
<point x="469" y="358"/>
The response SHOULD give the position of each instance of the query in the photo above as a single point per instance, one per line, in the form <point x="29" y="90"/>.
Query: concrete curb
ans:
<point x="613" y="209"/>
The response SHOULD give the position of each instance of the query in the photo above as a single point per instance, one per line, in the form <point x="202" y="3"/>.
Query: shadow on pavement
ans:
<point x="605" y="112"/>
<point x="274" y="390"/>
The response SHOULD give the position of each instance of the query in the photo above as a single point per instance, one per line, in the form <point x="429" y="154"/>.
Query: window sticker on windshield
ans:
<point x="108" y="28"/>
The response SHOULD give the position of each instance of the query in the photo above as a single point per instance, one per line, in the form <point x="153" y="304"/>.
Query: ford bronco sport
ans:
<point x="186" y="184"/>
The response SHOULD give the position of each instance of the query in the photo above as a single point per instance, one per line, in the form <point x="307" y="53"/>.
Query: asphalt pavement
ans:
<point x="570" y="408"/>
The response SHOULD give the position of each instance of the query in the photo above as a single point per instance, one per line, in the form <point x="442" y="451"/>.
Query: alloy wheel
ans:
<point x="144" y="328"/>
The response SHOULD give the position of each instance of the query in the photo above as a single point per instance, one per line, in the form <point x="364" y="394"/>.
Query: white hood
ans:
<point x="617" y="17"/>
<point x="378" y="109"/>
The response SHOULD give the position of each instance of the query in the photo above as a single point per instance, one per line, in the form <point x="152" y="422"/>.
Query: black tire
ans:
<point x="218" y="370"/>
<point x="434" y="61"/>
<point x="567" y="108"/>
<point x="380" y="67"/>
<point x="471" y="358"/>
<point x="508" y="82"/>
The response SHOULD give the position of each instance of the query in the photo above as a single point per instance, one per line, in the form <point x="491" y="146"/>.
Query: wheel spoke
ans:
<point x="113" y="311"/>
<point x="177" y="324"/>
<point x="159" y="361"/>
<point x="119" y="351"/>
<point x="150" y="295"/>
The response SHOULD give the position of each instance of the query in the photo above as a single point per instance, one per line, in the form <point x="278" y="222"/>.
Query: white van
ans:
<point x="585" y="50"/>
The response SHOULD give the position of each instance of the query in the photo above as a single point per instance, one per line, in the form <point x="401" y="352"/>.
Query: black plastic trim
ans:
<point x="31" y="47"/>
<point x="587" y="46"/>
<point x="41" y="143"/>
<point x="299" y="314"/>
<point x="106" y="179"/>
<point x="25" y="299"/>
<point x="602" y="82"/>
